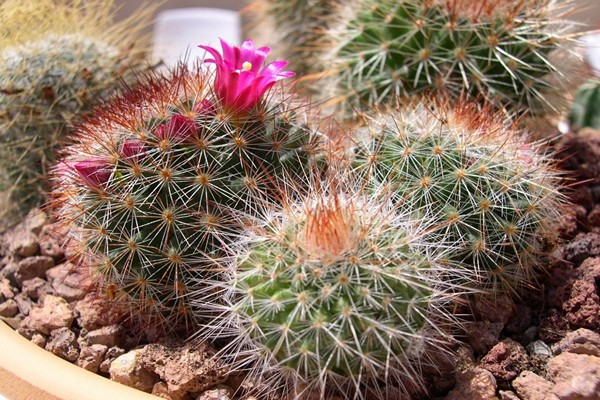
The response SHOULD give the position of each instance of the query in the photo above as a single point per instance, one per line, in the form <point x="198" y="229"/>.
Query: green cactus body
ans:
<point x="169" y="169"/>
<point x="585" y="110"/>
<point x="50" y="74"/>
<point x="493" y="50"/>
<point x="491" y="194"/>
<point x="330" y="292"/>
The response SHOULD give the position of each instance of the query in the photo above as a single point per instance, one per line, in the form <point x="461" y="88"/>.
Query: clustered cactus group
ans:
<point x="324" y="254"/>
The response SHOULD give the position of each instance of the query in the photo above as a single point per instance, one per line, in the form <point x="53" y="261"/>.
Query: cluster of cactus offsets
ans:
<point x="585" y="110"/>
<point x="295" y="29"/>
<point x="57" y="59"/>
<point x="498" y="50"/>
<point x="149" y="186"/>
<point x="492" y="194"/>
<point x="334" y="288"/>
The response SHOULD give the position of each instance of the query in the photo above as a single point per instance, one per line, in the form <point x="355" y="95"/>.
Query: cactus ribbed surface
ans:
<point x="150" y="185"/>
<point x="57" y="59"/>
<point x="496" y="50"/>
<point x="491" y="193"/>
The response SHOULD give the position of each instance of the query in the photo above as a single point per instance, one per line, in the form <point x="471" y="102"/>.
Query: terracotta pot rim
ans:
<point x="55" y="376"/>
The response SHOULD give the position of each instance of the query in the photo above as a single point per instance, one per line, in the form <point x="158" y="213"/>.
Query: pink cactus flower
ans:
<point x="241" y="79"/>
<point x="205" y="108"/>
<point x="178" y="128"/>
<point x="94" y="172"/>
<point x="131" y="148"/>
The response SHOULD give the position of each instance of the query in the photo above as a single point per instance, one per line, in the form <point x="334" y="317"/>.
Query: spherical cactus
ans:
<point x="334" y="290"/>
<point x="294" y="29"/>
<point x="585" y="110"/>
<point x="57" y="58"/>
<point x="150" y="185"/>
<point x="498" y="50"/>
<point x="492" y="194"/>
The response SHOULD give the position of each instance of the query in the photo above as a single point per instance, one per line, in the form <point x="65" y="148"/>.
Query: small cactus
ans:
<point x="150" y="185"/>
<point x="585" y="110"/>
<point x="57" y="58"/>
<point x="498" y="50"/>
<point x="491" y="194"/>
<point x="334" y="289"/>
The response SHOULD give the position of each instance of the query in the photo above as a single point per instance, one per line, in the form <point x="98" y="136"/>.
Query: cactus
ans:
<point x="497" y="50"/>
<point x="150" y="185"/>
<point x="585" y="110"/>
<point x="334" y="289"/>
<point x="57" y="58"/>
<point x="492" y="194"/>
<point x="294" y="28"/>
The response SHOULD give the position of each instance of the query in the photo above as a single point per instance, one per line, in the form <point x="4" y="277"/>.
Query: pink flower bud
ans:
<point x="94" y="173"/>
<point x="131" y="148"/>
<point x="241" y="79"/>
<point x="178" y="128"/>
<point x="205" y="108"/>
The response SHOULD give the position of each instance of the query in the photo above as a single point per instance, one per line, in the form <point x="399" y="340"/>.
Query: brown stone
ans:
<point x="55" y="313"/>
<point x="531" y="386"/>
<point x="583" y="305"/>
<point x="576" y="376"/>
<point x="32" y="267"/>
<point x="90" y="357"/>
<point x="63" y="343"/>
<point x="581" y="341"/>
<point x="473" y="384"/>
<point x="505" y="360"/>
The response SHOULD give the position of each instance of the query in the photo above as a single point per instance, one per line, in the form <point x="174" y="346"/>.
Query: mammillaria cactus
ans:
<point x="57" y="58"/>
<point x="294" y="28"/>
<point x="498" y="50"/>
<point x="149" y="186"/>
<point x="585" y="110"/>
<point x="334" y="288"/>
<point x="492" y="194"/>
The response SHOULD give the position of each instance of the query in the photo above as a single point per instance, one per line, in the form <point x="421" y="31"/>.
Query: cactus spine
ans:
<point x="150" y="184"/>
<point x="57" y="58"/>
<point x="497" y="50"/>
<point x="491" y="193"/>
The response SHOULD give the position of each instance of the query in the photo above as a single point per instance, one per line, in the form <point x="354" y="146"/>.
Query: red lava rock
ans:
<point x="589" y="270"/>
<point x="583" y="306"/>
<point x="23" y="244"/>
<point x="128" y="370"/>
<point x="68" y="282"/>
<point x="498" y="309"/>
<point x="508" y="395"/>
<point x="216" y="394"/>
<point x="576" y="376"/>
<point x="473" y="384"/>
<point x="6" y="290"/>
<point x="505" y="360"/>
<point x="482" y="335"/>
<point x="9" y="308"/>
<point x="583" y="246"/>
<point x="94" y="312"/>
<point x="90" y="357"/>
<point x="54" y="314"/>
<point x="187" y="369"/>
<point x="63" y="343"/>
<point x="24" y="303"/>
<point x="111" y="354"/>
<point x="553" y="327"/>
<point x="109" y="336"/>
<point x="570" y="221"/>
<point x="531" y="386"/>
<point x="36" y="288"/>
<point x="51" y="247"/>
<point x="580" y="152"/>
<point x="32" y="267"/>
<point x="581" y="341"/>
